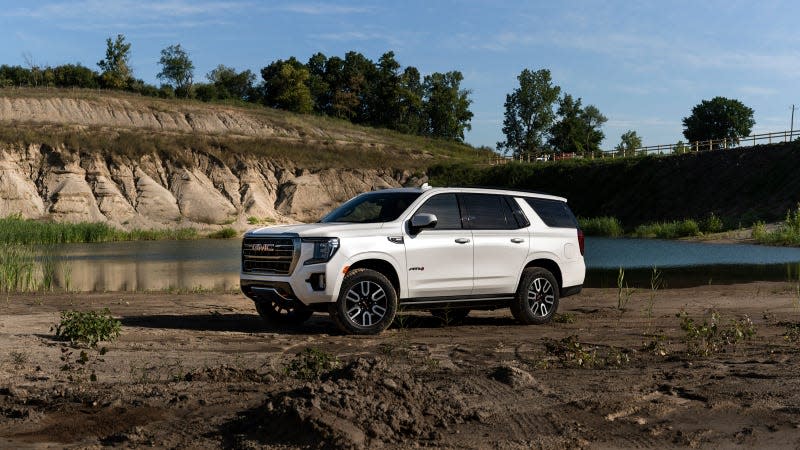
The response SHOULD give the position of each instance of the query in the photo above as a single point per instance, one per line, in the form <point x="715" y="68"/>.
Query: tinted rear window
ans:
<point x="488" y="212"/>
<point x="554" y="213"/>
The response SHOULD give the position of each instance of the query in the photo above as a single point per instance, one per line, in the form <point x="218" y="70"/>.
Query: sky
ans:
<point x="644" y="64"/>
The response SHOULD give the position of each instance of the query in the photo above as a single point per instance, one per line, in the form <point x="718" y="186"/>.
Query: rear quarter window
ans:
<point x="554" y="213"/>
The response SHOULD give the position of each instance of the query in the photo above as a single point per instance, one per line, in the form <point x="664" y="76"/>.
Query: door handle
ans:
<point x="517" y="240"/>
<point x="462" y="240"/>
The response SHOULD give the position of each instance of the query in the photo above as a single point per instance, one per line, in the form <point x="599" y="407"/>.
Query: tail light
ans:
<point x="581" y="242"/>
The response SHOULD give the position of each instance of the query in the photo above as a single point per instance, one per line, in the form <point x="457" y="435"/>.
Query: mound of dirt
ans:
<point x="368" y="402"/>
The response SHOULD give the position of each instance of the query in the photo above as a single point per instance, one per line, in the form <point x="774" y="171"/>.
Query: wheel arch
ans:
<point x="550" y="266"/>
<point x="381" y="266"/>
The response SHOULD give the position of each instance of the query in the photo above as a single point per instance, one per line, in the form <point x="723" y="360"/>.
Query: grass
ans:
<point x="225" y="233"/>
<point x="25" y="269"/>
<point x="601" y="226"/>
<point x="787" y="233"/>
<point x="668" y="230"/>
<point x="16" y="230"/>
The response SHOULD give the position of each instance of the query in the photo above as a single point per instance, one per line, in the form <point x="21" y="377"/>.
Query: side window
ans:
<point x="445" y="207"/>
<point x="554" y="213"/>
<point x="488" y="212"/>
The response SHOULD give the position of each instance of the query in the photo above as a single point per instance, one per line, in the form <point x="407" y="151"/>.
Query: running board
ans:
<point x="478" y="302"/>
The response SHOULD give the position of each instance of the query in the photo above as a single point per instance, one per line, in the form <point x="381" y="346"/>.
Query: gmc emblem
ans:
<point x="263" y="247"/>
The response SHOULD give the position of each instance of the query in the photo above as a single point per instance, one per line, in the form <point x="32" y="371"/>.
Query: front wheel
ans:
<point x="278" y="313"/>
<point x="367" y="303"/>
<point x="536" y="299"/>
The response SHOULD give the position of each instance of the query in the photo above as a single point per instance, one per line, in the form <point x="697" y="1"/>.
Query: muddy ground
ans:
<point x="201" y="371"/>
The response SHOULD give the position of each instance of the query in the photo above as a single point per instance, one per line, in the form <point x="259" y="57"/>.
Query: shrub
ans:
<point x="787" y="233"/>
<point x="89" y="327"/>
<point x="711" y="337"/>
<point x="713" y="224"/>
<point x="601" y="226"/>
<point x="311" y="364"/>
<point x="225" y="233"/>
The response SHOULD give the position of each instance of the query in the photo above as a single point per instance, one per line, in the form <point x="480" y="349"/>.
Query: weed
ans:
<point x="711" y="337"/>
<point x="792" y="333"/>
<point x="570" y="351"/>
<point x="88" y="327"/>
<point x="564" y="318"/>
<point x="253" y="220"/>
<point x="624" y="292"/>
<point x="656" y="345"/>
<point x="787" y="233"/>
<point x="311" y="364"/>
<point x="19" y="358"/>
<point x="712" y="224"/>
<point x="656" y="282"/>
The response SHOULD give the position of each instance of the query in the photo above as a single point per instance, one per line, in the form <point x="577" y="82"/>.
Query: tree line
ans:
<point x="539" y="119"/>
<point x="353" y="87"/>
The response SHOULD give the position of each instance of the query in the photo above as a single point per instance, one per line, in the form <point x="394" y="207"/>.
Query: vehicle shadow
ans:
<point x="243" y="323"/>
<point x="317" y="324"/>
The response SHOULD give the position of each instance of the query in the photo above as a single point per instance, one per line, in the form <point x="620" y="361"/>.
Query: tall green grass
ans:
<point x="16" y="230"/>
<point x="24" y="269"/>
<point x="601" y="226"/>
<point x="668" y="230"/>
<point x="787" y="233"/>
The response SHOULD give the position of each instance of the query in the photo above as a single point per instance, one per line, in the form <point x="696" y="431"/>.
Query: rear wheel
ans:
<point x="536" y="300"/>
<point x="367" y="303"/>
<point x="280" y="312"/>
<point x="450" y="316"/>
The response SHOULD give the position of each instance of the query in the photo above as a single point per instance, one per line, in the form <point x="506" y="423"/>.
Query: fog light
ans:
<point x="317" y="281"/>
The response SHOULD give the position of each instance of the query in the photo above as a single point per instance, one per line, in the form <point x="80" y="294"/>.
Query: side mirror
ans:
<point x="422" y="221"/>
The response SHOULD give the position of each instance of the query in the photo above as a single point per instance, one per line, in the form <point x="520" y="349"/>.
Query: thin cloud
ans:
<point x="323" y="9"/>
<point x="91" y="9"/>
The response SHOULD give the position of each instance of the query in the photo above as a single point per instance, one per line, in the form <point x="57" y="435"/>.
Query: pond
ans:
<point x="214" y="264"/>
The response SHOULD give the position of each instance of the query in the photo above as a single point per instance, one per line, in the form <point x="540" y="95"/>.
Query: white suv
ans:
<point x="447" y="250"/>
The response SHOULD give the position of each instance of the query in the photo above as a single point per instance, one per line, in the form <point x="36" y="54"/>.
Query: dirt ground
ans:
<point x="201" y="371"/>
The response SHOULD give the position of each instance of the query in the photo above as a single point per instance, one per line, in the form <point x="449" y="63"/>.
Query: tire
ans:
<point x="278" y="313"/>
<point x="450" y="316"/>
<point x="536" y="300"/>
<point x="367" y="303"/>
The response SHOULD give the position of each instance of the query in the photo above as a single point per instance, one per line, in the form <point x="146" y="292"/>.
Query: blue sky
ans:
<point x="644" y="64"/>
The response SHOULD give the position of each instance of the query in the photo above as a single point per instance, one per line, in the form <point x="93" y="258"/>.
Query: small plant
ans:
<point x="710" y="337"/>
<point x="656" y="282"/>
<point x="311" y="364"/>
<point x="792" y="333"/>
<point x="88" y="327"/>
<point x="656" y="345"/>
<point x="624" y="292"/>
<point x="253" y="220"/>
<point x="564" y="318"/>
<point x="19" y="358"/>
<point x="569" y="350"/>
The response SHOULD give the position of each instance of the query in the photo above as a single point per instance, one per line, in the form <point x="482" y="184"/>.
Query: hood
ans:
<point x="317" y="229"/>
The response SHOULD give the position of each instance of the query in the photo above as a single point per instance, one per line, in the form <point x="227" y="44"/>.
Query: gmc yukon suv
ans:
<point x="446" y="250"/>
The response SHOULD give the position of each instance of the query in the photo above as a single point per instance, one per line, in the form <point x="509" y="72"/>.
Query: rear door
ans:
<point x="439" y="259"/>
<point x="501" y="240"/>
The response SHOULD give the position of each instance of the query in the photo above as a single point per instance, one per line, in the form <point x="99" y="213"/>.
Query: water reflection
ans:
<point x="150" y="265"/>
<point x="214" y="264"/>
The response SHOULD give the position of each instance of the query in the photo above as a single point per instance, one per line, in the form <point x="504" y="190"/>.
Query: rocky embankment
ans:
<point x="54" y="181"/>
<point x="43" y="182"/>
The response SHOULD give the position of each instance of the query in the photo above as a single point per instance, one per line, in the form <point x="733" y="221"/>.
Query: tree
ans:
<point x="718" y="118"/>
<point x="529" y="113"/>
<point x="230" y="84"/>
<point x="285" y="86"/>
<point x="592" y="119"/>
<point x="385" y="92"/>
<point x="116" y="72"/>
<point x="629" y="143"/>
<point x="177" y="69"/>
<point x="446" y="106"/>
<point x="410" y="102"/>
<point x="317" y="84"/>
<point x="680" y="148"/>
<point x="577" y="129"/>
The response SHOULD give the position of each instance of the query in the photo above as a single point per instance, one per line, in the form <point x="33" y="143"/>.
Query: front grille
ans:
<point x="272" y="255"/>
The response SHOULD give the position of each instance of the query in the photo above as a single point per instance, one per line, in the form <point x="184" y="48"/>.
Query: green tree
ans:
<point x="410" y="103"/>
<point x="680" y="148"/>
<point x="317" y="83"/>
<point x="285" y="86"/>
<point x="385" y="93"/>
<point x="718" y="118"/>
<point x="446" y="106"/>
<point x="629" y="142"/>
<point x="230" y="84"/>
<point x="116" y="72"/>
<point x="529" y="113"/>
<point x="177" y="69"/>
<point x="74" y="75"/>
<point x="592" y="136"/>
<point x="577" y="129"/>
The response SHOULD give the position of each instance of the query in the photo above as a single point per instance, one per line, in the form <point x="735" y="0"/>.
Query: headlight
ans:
<point x="324" y="249"/>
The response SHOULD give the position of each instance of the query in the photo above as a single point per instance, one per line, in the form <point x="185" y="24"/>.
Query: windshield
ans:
<point x="373" y="207"/>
